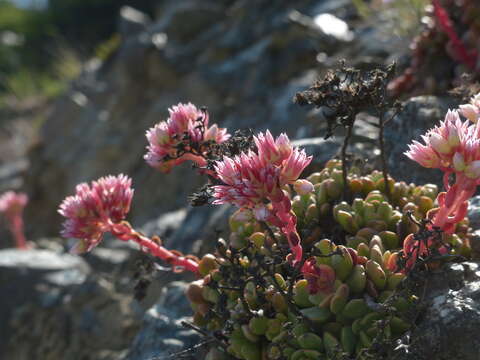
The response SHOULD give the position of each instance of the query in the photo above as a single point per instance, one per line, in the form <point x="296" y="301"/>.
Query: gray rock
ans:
<point x="53" y="308"/>
<point x="451" y="318"/>
<point x="162" y="334"/>
<point x="474" y="212"/>
<point x="28" y="276"/>
<point x="419" y="114"/>
<point x="131" y="21"/>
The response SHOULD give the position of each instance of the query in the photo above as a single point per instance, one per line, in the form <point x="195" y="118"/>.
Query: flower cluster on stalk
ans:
<point x="257" y="180"/>
<point x="102" y="207"/>
<point x="454" y="148"/>
<point x="12" y="205"/>
<point x="96" y="209"/>
<point x="185" y="135"/>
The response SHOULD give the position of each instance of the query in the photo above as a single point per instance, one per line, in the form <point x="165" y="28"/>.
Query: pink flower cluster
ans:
<point x="12" y="205"/>
<point x="95" y="209"/>
<point x="255" y="181"/>
<point x="102" y="207"/>
<point x="454" y="148"/>
<point x="182" y="137"/>
<point x="471" y="110"/>
<point x="252" y="178"/>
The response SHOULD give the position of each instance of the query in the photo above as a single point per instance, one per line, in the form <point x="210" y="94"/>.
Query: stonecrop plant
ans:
<point x="309" y="270"/>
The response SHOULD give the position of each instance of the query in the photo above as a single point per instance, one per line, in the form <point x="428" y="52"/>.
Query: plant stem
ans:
<point x="125" y="232"/>
<point x="346" y="140"/>
<point x="381" y="141"/>
<point x="16" y="228"/>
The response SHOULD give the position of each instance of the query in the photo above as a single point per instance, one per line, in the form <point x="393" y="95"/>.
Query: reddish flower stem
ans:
<point x="125" y="232"/>
<point x="448" y="212"/>
<point x="446" y="24"/>
<point x="16" y="228"/>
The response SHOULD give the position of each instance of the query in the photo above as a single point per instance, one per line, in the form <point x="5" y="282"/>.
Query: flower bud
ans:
<point x="194" y="292"/>
<point x="472" y="171"/>
<point x="207" y="264"/>
<point x="260" y="212"/>
<point x="470" y="112"/>
<point x="458" y="162"/>
<point x="453" y="138"/>
<point x="303" y="187"/>
<point x="439" y="143"/>
<point x="258" y="238"/>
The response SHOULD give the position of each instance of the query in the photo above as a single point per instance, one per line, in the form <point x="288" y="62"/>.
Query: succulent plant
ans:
<point x="344" y="296"/>
<point x="314" y="268"/>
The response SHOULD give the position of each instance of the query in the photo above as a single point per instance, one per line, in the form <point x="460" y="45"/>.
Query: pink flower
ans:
<point x="273" y="151"/>
<point x="252" y="178"/>
<point x="182" y="137"/>
<point x="95" y="209"/>
<point x="102" y="207"/>
<point x="320" y="277"/>
<point x="471" y="110"/>
<point x="445" y="145"/>
<point x="454" y="148"/>
<point x="12" y="203"/>
<point x="303" y="187"/>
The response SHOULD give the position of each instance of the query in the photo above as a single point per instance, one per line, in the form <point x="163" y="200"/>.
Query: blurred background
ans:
<point x="82" y="80"/>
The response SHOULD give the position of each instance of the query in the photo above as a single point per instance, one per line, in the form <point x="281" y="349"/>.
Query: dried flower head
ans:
<point x="12" y="203"/>
<point x="95" y="209"/>
<point x="184" y="136"/>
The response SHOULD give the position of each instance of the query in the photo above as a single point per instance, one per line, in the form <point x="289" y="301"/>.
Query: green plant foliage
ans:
<point x="265" y="305"/>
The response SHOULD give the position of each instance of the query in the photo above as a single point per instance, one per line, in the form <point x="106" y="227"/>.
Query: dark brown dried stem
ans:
<point x="381" y="144"/>
<point x="348" y="135"/>
<point x="269" y="230"/>
<point x="203" y="333"/>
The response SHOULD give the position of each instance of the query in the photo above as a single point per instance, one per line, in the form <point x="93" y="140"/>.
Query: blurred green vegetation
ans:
<point x="41" y="49"/>
<point x="404" y="16"/>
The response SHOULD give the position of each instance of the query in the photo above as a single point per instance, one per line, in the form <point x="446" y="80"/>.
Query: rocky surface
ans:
<point x="162" y="334"/>
<point x="53" y="307"/>
<point x="30" y="276"/>
<point x="451" y="316"/>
